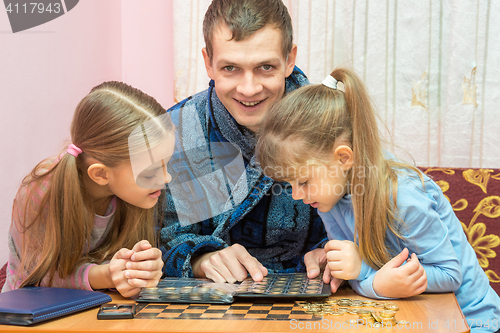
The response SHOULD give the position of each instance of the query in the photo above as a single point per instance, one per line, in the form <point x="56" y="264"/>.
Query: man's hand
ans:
<point x="231" y="264"/>
<point x="145" y="266"/>
<point x="314" y="261"/>
<point x="396" y="280"/>
<point x="344" y="260"/>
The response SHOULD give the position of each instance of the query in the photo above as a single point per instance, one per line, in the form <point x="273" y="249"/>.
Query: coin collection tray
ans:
<point x="189" y="290"/>
<point x="295" y="285"/>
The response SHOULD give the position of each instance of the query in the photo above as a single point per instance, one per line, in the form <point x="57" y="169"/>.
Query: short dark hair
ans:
<point x="245" y="17"/>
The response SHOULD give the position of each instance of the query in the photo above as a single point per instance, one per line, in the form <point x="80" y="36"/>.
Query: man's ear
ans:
<point x="343" y="154"/>
<point x="290" y="61"/>
<point x="208" y="63"/>
<point x="99" y="173"/>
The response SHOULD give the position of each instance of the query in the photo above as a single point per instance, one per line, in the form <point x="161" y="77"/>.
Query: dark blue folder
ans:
<point x="31" y="305"/>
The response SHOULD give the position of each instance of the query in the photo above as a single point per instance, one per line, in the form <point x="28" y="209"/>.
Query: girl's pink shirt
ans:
<point x="80" y="277"/>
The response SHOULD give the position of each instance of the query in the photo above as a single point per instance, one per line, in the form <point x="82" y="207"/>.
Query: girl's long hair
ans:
<point x="58" y="214"/>
<point x="302" y="129"/>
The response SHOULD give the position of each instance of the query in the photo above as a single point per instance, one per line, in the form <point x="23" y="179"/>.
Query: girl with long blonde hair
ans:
<point x="392" y="232"/>
<point x="86" y="219"/>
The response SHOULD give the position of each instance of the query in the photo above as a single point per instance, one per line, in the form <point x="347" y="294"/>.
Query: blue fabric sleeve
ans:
<point x="180" y="243"/>
<point x="425" y="215"/>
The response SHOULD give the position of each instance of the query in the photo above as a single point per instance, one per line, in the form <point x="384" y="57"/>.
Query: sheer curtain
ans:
<point x="431" y="66"/>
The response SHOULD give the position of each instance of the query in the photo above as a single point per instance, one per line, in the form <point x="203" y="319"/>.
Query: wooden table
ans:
<point x="423" y="313"/>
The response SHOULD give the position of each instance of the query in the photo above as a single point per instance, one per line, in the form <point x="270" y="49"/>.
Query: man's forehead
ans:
<point x="264" y="45"/>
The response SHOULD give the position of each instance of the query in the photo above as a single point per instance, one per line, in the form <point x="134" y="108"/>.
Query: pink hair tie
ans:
<point x="74" y="150"/>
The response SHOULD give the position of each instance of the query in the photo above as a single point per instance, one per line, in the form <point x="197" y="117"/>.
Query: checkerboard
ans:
<point x="257" y="310"/>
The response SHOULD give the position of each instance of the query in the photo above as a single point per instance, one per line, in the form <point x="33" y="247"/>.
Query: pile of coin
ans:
<point x="383" y="315"/>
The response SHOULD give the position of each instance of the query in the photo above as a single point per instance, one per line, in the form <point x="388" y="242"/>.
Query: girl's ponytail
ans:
<point x="370" y="173"/>
<point x="61" y="205"/>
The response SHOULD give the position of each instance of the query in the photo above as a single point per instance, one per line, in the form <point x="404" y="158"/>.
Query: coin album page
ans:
<point x="190" y="290"/>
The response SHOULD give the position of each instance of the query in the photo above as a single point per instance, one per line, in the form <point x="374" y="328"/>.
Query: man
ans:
<point x="250" y="57"/>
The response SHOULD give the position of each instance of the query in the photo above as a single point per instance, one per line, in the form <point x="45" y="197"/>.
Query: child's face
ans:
<point x="144" y="191"/>
<point x="320" y="186"/>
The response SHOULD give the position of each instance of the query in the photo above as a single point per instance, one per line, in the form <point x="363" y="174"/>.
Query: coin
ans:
<point x="391" y="306"/>
<point x="150" y="296"/>
<point x="387" y="314"/>
<point x="150" y="290"/>
<point x="376" y="316"/>
<point x="336" y="313"/>
<point x="195" y="296"/>
<point x="364" y="313"/>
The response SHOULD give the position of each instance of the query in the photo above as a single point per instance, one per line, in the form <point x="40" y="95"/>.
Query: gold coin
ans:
<point x="389" y="322"/>
<point x="258" y="291"/>
<point x="364" y="313"/>
<point x="150" y="290"/>
<point x="366" y="320"/>
<point x="387" y="313"/>
<point x="376" y="316"/>
<point x="150" y="296"/>
<point x="311" y="291"/>
<point x="195" y="296"/>
<point x="336" y="313"/>
<point x="392" y="306"/>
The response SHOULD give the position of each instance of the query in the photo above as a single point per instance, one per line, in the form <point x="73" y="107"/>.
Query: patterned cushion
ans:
<point x="3" y="272"/>
<point x="475" y="198"/>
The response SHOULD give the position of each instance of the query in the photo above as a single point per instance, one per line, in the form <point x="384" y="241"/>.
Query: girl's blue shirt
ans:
<point x="433" y="232"/>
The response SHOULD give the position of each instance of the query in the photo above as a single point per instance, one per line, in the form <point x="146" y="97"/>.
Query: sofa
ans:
<point x="475" y="197"/>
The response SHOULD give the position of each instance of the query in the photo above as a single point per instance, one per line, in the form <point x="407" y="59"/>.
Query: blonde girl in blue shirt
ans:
<point x="392" y="232"/>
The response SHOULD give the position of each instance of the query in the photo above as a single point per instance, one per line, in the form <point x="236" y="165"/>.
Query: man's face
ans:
<point x="249" y="74"/>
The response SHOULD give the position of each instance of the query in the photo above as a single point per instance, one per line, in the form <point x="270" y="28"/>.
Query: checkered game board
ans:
<point x="258" y="310"/>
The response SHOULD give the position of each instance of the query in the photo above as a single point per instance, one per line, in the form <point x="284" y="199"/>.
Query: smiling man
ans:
<point x="250" y="58"/>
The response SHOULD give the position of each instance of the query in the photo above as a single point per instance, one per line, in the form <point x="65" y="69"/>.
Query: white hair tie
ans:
<point x="330" y="82"/>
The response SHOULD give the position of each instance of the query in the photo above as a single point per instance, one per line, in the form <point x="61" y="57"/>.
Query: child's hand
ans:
<point x="314" y="261"/>
<point x="396" y="280"/>
<point x="334" y="282"/>
<point x="344" y="260"/>
<point x="145" y="266"/>
<point x="117" y="267"/>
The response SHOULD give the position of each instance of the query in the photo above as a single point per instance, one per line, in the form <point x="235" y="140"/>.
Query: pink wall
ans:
<point x="46" y="70"/>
